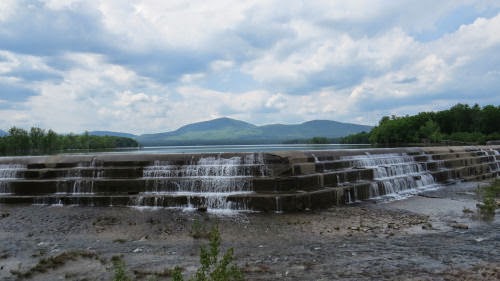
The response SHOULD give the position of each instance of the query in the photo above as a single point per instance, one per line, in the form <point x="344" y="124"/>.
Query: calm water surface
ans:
<point x="238" y="148"/>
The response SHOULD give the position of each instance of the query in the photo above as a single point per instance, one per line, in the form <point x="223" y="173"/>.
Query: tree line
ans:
<point x="38" y="141"/>
<point x="460" y="124"/>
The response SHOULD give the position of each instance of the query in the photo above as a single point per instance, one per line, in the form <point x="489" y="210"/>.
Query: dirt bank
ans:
<point x="436" y="236"/>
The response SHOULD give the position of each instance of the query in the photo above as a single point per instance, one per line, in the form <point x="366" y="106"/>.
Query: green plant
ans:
<point x="177" y="275"/>
<point x="489" y="195"/>
<point x="119" y="268"/>
<point x="212" y="267"/>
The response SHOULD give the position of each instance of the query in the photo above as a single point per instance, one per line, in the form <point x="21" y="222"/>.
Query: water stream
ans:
<point x="394" y="175"/>
<point x="8" y="173"/>
<point x="205" y="182"/>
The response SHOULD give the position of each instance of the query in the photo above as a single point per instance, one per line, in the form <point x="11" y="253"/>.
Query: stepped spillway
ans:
<point x="280" y="181"/>
<point x="394" y="174"/>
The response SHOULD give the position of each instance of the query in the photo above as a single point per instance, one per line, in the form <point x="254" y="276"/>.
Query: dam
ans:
<point x="282" y="181"/>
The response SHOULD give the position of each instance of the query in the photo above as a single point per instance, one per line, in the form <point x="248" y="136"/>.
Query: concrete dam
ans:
<point x="269" y="182"/>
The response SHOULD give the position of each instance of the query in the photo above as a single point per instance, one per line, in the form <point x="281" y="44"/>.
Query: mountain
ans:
<point x="315" y="128"/>
<point x="230" y="131"/>
<point x="3" y="133"/>
<point x="113" y="134"/>
<point x="221" y="130"/>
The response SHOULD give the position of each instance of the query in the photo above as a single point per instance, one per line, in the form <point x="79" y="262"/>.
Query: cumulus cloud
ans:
<point x="151" y="66"/>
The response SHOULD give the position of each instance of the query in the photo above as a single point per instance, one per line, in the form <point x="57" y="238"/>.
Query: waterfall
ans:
<point x="207" y="181"/>
<point x="393" y="174"/>
<point x="81" y="179"/>
<point x="493" y="159"/>
<point x="8" y="172"/>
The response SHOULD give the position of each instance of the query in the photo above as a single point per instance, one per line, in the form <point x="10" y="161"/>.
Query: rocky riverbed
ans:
<point x="437" y="235"/>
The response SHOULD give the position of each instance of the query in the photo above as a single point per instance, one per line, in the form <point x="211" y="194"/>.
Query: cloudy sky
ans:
<point x="151" y="65"/>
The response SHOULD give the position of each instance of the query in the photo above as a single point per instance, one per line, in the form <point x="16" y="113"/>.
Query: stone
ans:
<point x="460" y="226"/>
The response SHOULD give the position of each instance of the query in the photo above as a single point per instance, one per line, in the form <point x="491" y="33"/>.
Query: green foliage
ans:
<point x="38" y="141"/>
<point x="489" y="194"/>
<point x="119" y="268"/>
<point x="212" y="267"/>
<point x="319" y="140"/>
<point x="177" y="274"/>
<point x="359" y="138"/>
<point x="461" y="123"/>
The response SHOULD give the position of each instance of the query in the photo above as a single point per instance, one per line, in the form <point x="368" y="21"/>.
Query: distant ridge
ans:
<point x="230" y="131"/>
<point x="113" y="134"/>
<point x="3" y="133"/>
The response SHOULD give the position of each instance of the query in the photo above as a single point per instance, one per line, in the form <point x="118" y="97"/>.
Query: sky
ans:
<point x="149" y="66"/>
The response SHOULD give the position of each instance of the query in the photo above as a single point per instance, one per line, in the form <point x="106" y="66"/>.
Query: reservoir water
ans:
<point x="237" y="148"/>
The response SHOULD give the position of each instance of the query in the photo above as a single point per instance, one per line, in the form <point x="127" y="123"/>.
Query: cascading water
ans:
<point x="81" y="179"/>
<point x="208" y="181"/>
<point x="496" y="155"/>
<point x="394" y="174"/>
<point x="493" y="160"/>
<point x="8" y="172"/>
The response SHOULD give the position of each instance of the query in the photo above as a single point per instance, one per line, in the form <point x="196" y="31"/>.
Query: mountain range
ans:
<point x="230" y="131"/>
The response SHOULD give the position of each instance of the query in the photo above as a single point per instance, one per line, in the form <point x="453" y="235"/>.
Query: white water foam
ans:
<point x="493" y="157"/>
<point x="395" y="175"/>
<point x="81" y="184"/>
<point x="209" y="180"/>
<point x="8" y="173"/>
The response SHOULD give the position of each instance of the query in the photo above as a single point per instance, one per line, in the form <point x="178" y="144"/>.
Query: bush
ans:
<point x="119" y="267"/>
<point x="489" y="194"/>
<point x="212" y="268"/>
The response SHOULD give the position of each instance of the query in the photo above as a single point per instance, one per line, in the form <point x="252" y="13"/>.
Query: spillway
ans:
<point x="274" y="182"/>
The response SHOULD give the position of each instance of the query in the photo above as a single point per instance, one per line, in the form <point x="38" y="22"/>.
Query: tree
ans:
<point x="52" y="142"/>
<point x="430" y="131"/>
<point x="18" y="141"/>
<point x="37" y="136"/>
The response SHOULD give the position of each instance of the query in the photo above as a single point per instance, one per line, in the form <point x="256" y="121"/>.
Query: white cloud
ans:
<point x="164" y="64"/>
<point x="151" y="23"/>
<point x="192" y="77"/>
<point x="7" y="9"/>
<point x="95" y="94"/>
<point x="221" y="65"/>
<point x="61" y="4"/>
<point x="12" y="62"/>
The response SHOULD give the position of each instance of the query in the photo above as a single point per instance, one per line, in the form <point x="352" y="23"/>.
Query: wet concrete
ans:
<point x="412" y="239"/>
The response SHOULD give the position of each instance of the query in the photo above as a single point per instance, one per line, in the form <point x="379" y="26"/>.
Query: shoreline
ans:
<point x="426" y="237"/>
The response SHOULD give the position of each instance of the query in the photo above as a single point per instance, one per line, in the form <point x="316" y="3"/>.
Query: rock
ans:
<point x="460" y="226"/>
<point x="202" y="209"/>
<point x="427" y="226"/>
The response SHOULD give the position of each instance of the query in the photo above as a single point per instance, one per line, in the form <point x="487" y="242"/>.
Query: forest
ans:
<point x="461" y="124"/>
<point x="38" y="141"/>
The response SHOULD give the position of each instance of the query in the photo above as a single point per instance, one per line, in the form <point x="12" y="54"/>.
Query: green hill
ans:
<point x="231" y="131"/>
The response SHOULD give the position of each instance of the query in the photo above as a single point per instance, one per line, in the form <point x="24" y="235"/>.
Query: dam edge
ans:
<point x="282" y="181"/>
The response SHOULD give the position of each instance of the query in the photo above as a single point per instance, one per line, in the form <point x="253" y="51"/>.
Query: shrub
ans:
<point x="212" y="267"/>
